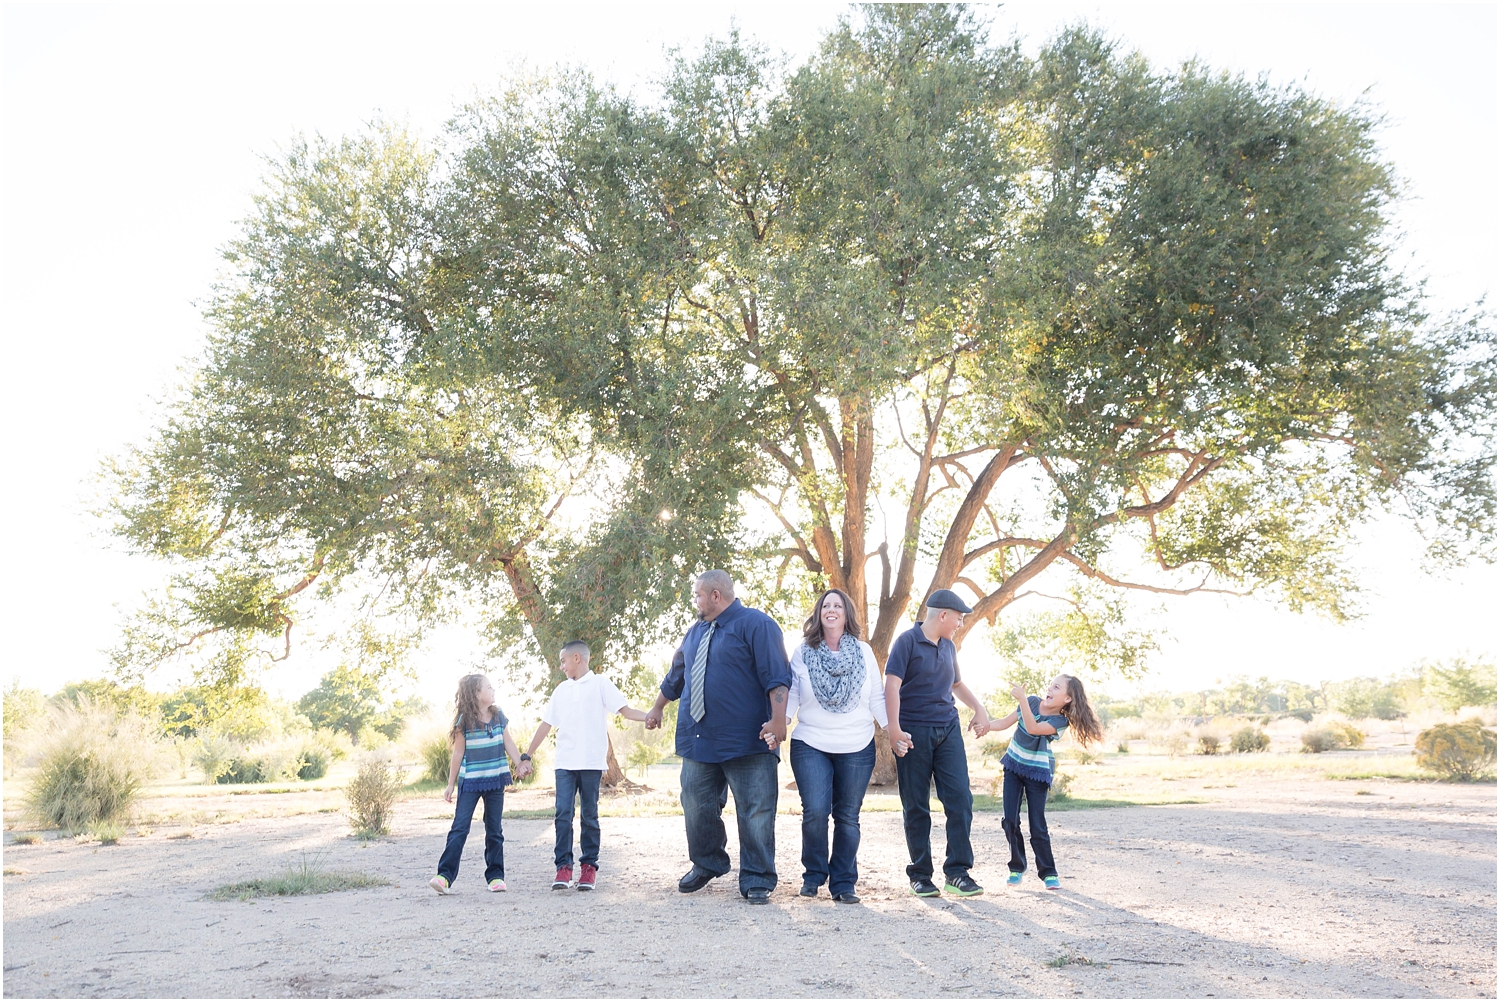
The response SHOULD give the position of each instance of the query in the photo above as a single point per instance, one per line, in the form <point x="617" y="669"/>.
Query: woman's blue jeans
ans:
<point x="831" y="784"/>
<point x="494" y="842"/>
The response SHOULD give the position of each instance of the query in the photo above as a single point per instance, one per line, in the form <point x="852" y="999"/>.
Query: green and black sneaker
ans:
<point x="963" y="886"/>
<point x="924" y="888"/>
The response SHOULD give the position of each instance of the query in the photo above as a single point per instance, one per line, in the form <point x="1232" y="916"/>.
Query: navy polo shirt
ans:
<point x="928" y="673"/>
<point x="746" y="660"/>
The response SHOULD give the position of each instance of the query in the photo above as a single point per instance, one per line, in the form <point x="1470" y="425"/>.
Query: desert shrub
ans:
<point x="1368" y="697"/>
<point x="437" y="757"/>
<point x="309" y="878"/>
<point x="214" y="755"/>
<point x="313" y="763"/>
<point x="1249" y="739"/>
<point x="1331" y="737"/>
<point x="91" y="764"/>
<point x="106" y="832"/>
<point x="29" y="838"/>
<point x="266" y="764"/>
<point x="1060" y="783"/>
<point x="1208" y="744"/>
<point x="1461" y="684"/>
<point x="1458" y="751"/>
<point x="372" y="794"/>
<point x="1175" y="742"/>
<point x="1123" y="748"/>
<point x="1086" y="756"/>
<point x="644" y="754"/>
<point x="1303" y="715"/>
<point x="993" y="749"/>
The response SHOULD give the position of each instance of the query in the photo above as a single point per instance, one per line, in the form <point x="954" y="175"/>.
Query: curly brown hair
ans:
<point x="467" y="711"/>
<point x="1080" y="715"/>
<point x="812" y="630"/>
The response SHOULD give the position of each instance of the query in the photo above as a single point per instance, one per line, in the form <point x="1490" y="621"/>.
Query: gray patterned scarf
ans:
<point x="838" y="677"/>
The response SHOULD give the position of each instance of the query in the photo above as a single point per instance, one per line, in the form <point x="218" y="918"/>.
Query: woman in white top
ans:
<point x="837" y="697"/>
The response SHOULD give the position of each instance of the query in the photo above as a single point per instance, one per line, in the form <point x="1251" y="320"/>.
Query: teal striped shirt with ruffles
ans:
<point x="1030" y="755"/>
<point x="485" y="766"/>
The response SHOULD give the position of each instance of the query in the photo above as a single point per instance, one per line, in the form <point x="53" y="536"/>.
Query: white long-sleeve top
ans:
<point x="835" y="733"/>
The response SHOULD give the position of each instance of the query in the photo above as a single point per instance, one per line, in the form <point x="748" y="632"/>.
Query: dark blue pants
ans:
<point x="577" y="784"/>
<point x="494" y="842"/>
<point x="936" y="755"/>
<point x="1036" y="813"/>
<point x="831" y="784"/>
<point x="705" y="792"/>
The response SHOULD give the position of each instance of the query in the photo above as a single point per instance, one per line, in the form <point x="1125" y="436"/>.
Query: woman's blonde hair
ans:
<point x="1080" y="715"/>
<point x="466" y="708"/>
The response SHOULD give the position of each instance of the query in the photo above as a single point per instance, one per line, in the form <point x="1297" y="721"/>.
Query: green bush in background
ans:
<point x="437" y="757"/>
<point x="372" y="795"/>
<point x="1458" y="751"/>
<point x="91" y="764"/>
<point x="1249" y="739"/>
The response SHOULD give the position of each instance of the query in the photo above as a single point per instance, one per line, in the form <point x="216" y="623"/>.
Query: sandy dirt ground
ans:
<point x="1285" y="887"/>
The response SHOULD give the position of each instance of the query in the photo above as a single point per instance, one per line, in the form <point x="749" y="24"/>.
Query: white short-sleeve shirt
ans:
<point x="579" y="710"/>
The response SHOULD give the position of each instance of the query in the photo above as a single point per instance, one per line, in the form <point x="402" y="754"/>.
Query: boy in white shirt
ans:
<point x="580" y="709"/>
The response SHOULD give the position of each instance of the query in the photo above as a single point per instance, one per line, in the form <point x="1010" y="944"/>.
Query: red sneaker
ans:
<point x="563" y="879"/>
<point x="586" y="879"/>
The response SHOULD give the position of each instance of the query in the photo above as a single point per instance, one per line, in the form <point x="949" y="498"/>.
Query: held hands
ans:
<point x="771" y="734"/>
<point x="524" y="769"/>
<point x="981" y="724"/>
<point x="900" y="742"/>
<point x="653" y="719"/>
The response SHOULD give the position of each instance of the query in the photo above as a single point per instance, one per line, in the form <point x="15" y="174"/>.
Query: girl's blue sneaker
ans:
<point x="1014" y="880"/>
<point x="1052" y="883"/>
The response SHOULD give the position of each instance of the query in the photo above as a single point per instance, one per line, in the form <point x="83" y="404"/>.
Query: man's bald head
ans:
<point x="713" y="592"/>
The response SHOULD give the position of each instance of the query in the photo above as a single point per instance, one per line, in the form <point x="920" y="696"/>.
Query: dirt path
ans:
<point x="1292" y="888"/>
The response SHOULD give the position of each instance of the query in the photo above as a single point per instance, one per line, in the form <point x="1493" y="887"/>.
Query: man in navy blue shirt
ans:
<point x="921" y="679"/>
<point x="731" y="674"/>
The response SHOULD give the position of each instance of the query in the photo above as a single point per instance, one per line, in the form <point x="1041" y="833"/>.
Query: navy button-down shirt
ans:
<point x="746" y="660"/>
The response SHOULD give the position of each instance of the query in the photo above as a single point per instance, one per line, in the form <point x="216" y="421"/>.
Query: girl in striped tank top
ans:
<point x="1029" y="765"/>
<point x="480" y="770"/>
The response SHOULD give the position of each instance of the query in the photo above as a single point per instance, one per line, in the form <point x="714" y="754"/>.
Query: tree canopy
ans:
<point x="922" y="312"/>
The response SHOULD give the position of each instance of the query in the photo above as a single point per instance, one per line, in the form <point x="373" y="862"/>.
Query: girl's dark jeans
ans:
<point x="831" y="784"/>
<point x="1036" y="813"/>
<point x="581" y="785"/>
<point x="494" y="842"/>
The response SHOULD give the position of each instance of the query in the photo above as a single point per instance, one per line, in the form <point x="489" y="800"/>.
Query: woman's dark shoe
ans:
<point x="847" y="898"/>
<point x="695" y="880"/>
<point x="924" y="888"/>
<point x="809" y="890"/>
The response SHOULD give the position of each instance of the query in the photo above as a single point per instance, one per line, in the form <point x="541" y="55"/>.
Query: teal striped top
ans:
<point x="484" y="765"/>
<point x="1030" y="755"/>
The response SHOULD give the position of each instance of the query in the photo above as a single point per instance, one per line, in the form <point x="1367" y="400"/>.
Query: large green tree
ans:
<point x="922" y="312"/>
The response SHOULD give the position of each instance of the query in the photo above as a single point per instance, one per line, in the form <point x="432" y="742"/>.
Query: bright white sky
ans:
<point x="133" y="137"/>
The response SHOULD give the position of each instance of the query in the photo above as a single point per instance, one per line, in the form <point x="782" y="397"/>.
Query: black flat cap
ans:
<point x="945" y="599"/>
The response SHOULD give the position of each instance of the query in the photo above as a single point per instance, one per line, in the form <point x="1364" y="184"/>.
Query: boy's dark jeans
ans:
<point x="581" y="784"/>
<point x="1036" y="813"/>
<point x="936" y="754"/>
<point x="833" y="784"/>
<point x="705" y="791"/>
<point x="494" y="842"/>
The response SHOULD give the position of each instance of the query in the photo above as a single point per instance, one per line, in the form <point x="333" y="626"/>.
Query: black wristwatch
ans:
<point x="525" y="756"/>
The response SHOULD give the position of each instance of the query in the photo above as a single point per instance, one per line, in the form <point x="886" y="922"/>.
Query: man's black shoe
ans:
<point x="847" y="898"/>
<point x="809" y="890"/>
<point x="964" y="886"/>
<point x="924" y="888"/>
<point x="695" y="880"/>
<point x="758" y="896"/>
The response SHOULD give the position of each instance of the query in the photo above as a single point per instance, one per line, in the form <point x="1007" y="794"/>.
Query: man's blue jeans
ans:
<point x="936" y="754"/>
<point x="831" y="784"/>
<point x="705" y="792"/>
<point x="577" y="784"/>
<point x="494" y="842"/>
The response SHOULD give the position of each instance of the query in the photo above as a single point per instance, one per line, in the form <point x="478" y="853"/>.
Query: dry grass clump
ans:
<point x="437" y="755"/>
<point x="372" y="795"/>
<point x="1332" y="736"/>
<point x="1249" y="739"/>
<point x="1458" y="751"/>
<point x="308" y="878"/>
<point x="91" y="764"/>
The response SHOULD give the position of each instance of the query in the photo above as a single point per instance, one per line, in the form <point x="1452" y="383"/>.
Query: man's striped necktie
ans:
<point x="695" y="677"/>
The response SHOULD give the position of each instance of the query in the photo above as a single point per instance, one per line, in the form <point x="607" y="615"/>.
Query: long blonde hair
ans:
<point x="467" y="710"/>
<point x="1080" y="715"/>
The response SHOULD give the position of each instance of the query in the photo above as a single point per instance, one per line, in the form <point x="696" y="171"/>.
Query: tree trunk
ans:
<point x="613" y="774"/>
<point x="885" y="761"/>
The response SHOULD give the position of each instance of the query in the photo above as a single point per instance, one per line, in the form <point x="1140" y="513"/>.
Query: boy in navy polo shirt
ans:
<point x="921" y="679"/>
